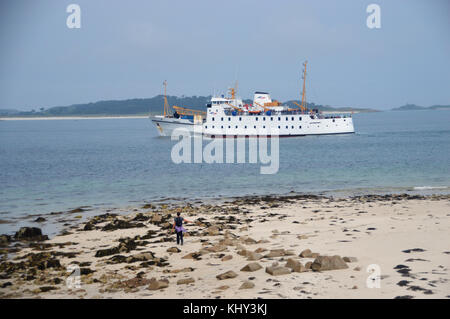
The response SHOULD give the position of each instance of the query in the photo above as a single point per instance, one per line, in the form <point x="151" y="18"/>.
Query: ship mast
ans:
<point x="303" y="107"/>
<point x="166" y="104"/>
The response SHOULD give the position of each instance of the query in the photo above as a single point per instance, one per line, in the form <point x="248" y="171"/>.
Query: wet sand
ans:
<point x="405" y="237"/>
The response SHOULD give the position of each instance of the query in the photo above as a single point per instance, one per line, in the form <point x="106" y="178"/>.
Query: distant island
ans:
<point x="147" y="106"/>
<point x="413" y="107"/>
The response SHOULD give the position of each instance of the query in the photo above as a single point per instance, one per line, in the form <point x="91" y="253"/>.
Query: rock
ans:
<point x="107" y="252"/>
<point x="223" y="287"/>
<point x="308" y="265"/>
<point x="135" y="282"/>
<point x="188" y="269"/>
<point x="40" y="220"/>
<point x="141" y="217"/>
<point x="140" y="257"/>
<point x="306" y="253"/>
<point x="357" y="268"/>
<point x="30" y="233"/>
<point x="158" y="284"/>
<point x="278" y="270"/>
<point x="247" y="285"/>
<point x="89" y="226"/>
<point x="173" y="250"/>
<point x="117" y="259"/>
<point x="227" y="242"/>
<point x="227" y="257"/>
<point x="322" y="263"/>
<point x="121" y="224"/>
<point x="315" y="255"/>
<point x="47" y="288"/>
<point x="260" y="250"/>
<point x="249" y="241"/>
<point x="275" y="253"/>
<point x="243" y="252"/>
<point x="212" y="231"/>
<point x="86" y="271"/>
<point x="216" y="248"/>
<point x="251" y="267"/>
<point x="6" y="284"/>
<point x="5" y="240"/>
<point x="185" y="281"/>
<point x="227" y="275"/>
<point x="156" y="218"/>
<point x="350" y="259"/>
<point x="253" y="256"/>
<point x="295" y="265"/>
<point x="195" y="256"/>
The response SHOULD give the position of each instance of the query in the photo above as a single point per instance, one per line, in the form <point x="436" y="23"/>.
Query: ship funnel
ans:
<point x="261" y="98"/>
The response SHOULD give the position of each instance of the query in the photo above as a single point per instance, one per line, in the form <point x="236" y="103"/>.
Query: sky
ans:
<point x="126" y="49"/>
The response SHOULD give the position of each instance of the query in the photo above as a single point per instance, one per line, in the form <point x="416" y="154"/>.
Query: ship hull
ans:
<point x="249" y="126"/>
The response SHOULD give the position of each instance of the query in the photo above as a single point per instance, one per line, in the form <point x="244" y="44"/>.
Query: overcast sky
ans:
<point x="126" y="49"/>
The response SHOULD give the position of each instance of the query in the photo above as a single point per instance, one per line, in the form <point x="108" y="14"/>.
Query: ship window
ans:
<point x="206" y="126"/>
<point x="300" y="126"/>
<point x="229" y="119"/>
<point x="299" y="118"/>
<point x="287" y="119"/>
<point x="256" y="118"/>
<point x="292" y="126"/>
<point x="213" y="118"/>
<point x="292" y="118"/>
<point x="254" y="126"/>
<point x="264" y="118"/>
<point x="271" y="118"/>
<point x="264" y="126"/>
<point x="279" y="118"/>
<point x="213" y="126"/>
<point x="236" y="126"/>
<point x="245" y="126"/>
<point x="334" y="120"/>
<point x="221" y="119"/>
<point x="279" y="126"/>
<point x="240" y="119"/>
<point x="229" y="126"/>
<point x="221" y="126"/>
<point x="287" y="126"/>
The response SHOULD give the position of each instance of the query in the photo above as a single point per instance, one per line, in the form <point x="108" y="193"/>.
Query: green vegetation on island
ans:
<point x="144" y="106"/>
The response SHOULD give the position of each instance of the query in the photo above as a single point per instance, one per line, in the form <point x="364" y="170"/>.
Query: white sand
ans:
<point x="338" y="228"/>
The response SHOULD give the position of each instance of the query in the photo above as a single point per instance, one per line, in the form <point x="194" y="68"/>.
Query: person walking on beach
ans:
<point x="179" y="229"/>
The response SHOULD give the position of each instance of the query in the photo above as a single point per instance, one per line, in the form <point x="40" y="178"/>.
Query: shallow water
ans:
<point x="56" y="165"/>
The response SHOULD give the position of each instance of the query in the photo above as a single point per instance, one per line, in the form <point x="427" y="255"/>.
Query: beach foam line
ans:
<point x="419" y="188"/>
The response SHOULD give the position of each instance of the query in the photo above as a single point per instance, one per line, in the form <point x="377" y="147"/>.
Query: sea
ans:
<point x="56" y="165"/>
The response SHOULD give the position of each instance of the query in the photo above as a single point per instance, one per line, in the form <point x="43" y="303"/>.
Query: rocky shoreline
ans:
<point x="292" y="246"/>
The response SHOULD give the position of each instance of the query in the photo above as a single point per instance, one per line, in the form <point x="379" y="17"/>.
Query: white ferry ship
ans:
<point x="230" y="117"/>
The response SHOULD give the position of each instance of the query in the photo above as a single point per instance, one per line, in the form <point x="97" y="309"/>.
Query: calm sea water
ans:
<point x="56" y="165"/>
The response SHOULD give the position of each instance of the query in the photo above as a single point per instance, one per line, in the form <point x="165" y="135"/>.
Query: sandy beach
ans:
<point x="250" y="247"/>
